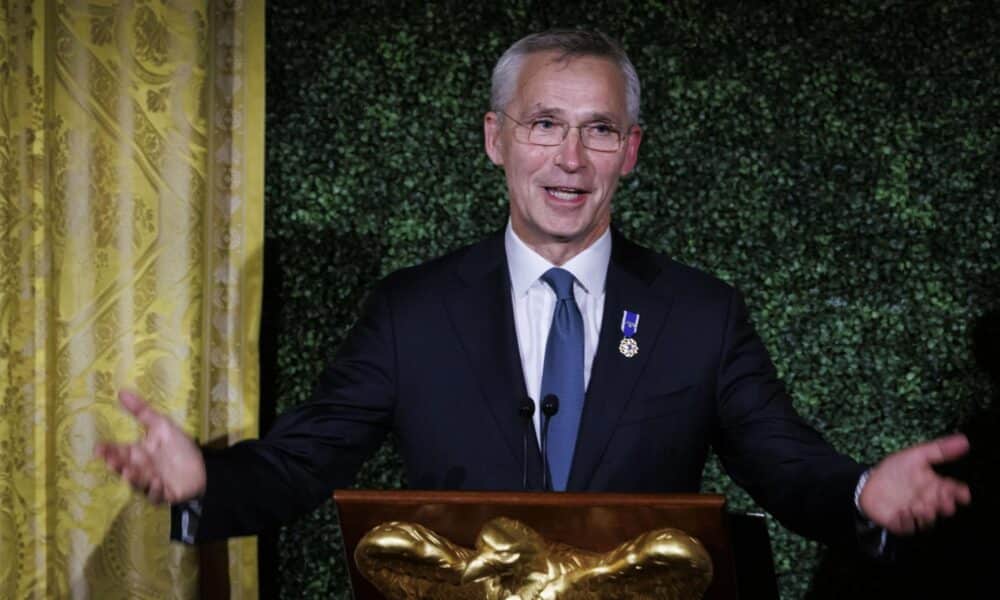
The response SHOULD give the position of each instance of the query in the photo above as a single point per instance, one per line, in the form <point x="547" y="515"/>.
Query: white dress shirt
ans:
<point x="535" y="302"/>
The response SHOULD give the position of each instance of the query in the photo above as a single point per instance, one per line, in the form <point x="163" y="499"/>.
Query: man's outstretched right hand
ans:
<point x="165" y="464"/>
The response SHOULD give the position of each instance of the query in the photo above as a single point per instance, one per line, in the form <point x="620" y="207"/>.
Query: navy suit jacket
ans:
<point x="434" y="359"/>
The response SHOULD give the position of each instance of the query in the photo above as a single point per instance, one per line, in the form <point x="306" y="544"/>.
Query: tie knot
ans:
<point x="561" y="281"/>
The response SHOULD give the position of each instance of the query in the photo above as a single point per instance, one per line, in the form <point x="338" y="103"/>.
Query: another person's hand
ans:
<point x="165" y="464"/>
<point x="904" y="494"/>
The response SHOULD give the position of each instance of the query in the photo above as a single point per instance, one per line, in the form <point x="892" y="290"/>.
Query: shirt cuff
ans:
<point x="184" y="519"/>
<point x="873" y="540"/>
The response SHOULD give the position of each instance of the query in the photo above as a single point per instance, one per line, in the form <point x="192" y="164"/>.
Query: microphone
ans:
<point x="550" y="406"/>
<point x="527" y="411"/>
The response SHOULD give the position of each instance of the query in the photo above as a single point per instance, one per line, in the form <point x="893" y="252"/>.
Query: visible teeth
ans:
<point x="564" y="193"/>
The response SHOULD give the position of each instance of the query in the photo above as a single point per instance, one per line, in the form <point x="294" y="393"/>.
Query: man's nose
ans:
<point x="570" y="156"/>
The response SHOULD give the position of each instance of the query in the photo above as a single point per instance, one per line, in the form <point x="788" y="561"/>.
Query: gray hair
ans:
<point x="569" y="44"/>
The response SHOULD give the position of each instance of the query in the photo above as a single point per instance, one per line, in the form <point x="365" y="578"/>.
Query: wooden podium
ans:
<point x="596" y="522"/>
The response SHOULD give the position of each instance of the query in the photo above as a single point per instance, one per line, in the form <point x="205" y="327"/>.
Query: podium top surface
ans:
<point x="398" y="497"/>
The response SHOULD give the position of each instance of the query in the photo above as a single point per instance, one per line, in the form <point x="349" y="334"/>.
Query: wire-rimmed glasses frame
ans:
<point x="549" y="131"/>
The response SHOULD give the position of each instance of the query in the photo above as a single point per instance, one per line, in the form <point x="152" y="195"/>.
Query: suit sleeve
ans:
<point x="769" y="450"/>
<point x="313" y="449"/>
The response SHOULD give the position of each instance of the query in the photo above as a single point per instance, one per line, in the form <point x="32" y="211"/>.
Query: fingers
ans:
<point x="945" y="449"/>
<point x="963" y="495"/>
<point x="904" y="494"/>
<point x="924" y="515"/>
<point x="137" y="463"/>
<point x="946" y="502"/>
<point x="940" y="498"/>
<point x="139" y="470"/>
<point x="139" y="408"/>
<point x="155" y="491"/>
<point x="944" y="495"/>
<point x="134" y="464"/>
<point x="114" y="455"/>
<point x="950" y="494"/>
<point x="903" y="524"/>
<point x="908" y="522"/>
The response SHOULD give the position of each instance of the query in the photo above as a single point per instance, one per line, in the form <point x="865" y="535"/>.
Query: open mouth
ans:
<point x="566" y="193"/>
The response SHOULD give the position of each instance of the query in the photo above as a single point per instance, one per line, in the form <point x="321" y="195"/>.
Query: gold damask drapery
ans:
<point x="131" y="166"/>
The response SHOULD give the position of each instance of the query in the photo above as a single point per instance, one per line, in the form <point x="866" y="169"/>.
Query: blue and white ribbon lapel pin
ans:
<point x="630" y="325"/>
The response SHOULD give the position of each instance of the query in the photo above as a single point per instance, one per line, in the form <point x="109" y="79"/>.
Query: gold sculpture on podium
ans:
<point x="511" y="561"/>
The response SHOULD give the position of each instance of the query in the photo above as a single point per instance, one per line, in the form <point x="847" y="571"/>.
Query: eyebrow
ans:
<point x="590" y="118"/>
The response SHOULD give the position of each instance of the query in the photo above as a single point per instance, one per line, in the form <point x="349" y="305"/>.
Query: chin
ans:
<point x="564" y="233"/>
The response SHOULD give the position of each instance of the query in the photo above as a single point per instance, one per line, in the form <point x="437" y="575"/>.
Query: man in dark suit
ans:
<point x="637" y="364"/>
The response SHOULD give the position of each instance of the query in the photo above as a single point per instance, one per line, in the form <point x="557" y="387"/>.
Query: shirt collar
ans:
<point x="590" y="267"/>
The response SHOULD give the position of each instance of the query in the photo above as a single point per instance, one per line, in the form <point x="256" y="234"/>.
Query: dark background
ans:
<point x="836" y="161"/>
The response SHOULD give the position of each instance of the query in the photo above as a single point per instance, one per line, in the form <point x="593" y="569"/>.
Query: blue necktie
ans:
<point x="562" y="375"/>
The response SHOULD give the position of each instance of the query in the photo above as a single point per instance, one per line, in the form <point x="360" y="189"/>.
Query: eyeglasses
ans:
<point x="547" y="131"/>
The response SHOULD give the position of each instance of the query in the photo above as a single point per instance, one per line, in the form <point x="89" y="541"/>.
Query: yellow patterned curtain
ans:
<point x="131" y="166"/>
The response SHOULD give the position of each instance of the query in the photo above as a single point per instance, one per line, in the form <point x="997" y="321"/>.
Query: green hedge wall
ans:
<point x="836" y="161"/>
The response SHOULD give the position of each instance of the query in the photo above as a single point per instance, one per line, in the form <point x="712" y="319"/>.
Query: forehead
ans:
<point x="578" y="85"/>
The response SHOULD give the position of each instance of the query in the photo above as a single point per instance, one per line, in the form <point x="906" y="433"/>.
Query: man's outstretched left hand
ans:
<point x="905" y="494"/>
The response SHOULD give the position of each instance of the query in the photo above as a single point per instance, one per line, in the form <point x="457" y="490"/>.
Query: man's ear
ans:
<point x="631" y="149"/>
<point x="491" y="137"/>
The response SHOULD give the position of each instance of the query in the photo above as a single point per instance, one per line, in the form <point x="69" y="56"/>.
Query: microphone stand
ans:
<point x="527" y="411"/>
<point x="550" y="406"/>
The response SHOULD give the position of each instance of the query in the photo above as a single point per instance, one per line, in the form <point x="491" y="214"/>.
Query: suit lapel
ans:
<point x="482" y="316"/>
<point x="632" y="272"/>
